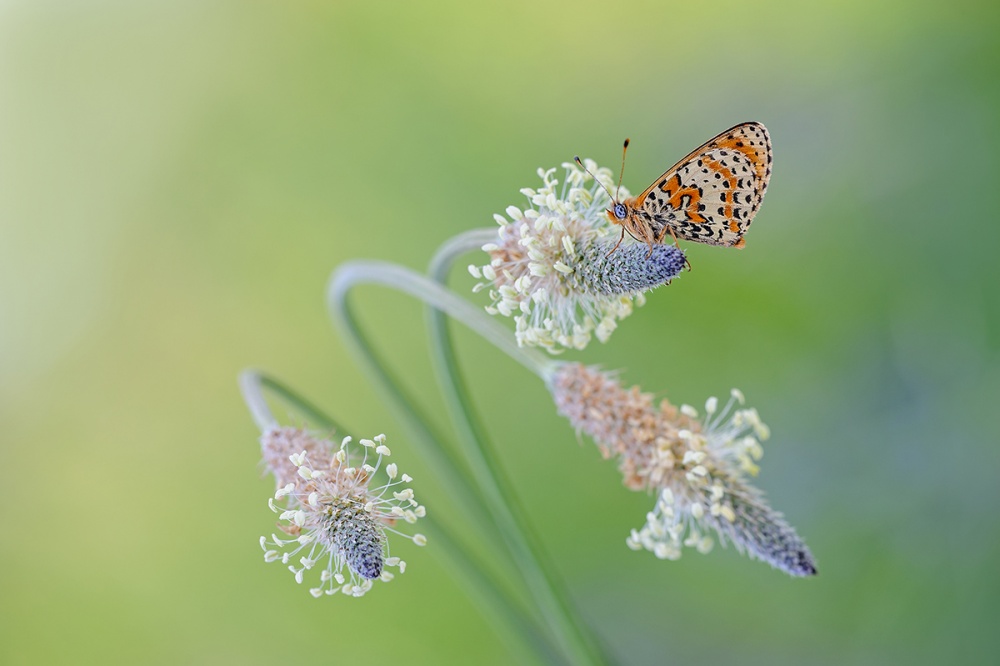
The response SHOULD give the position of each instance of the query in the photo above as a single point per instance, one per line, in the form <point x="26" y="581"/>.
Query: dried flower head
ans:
<point x="697" y="467"/>
<point x="551" y="269"/>
<point x="330" y="512"/>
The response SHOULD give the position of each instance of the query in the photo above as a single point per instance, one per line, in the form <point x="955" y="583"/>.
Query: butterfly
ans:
<point x="710" y="196"/>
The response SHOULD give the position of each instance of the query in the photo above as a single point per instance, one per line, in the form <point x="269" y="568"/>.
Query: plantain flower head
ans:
<point x="697" y="467"/>
<point x="553" y="270"/>
<point x="332" y="515"/>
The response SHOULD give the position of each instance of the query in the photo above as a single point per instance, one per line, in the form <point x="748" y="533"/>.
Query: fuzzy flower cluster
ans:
<point x="696" y="466"/>
<point x="553" y="270"/>
<point x="332" y="515"/>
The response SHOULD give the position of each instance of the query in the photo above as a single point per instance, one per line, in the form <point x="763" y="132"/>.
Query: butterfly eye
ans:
<point x="620" y="211"/>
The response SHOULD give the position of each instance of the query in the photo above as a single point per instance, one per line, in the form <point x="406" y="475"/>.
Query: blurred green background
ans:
<point x="177" y="180"/>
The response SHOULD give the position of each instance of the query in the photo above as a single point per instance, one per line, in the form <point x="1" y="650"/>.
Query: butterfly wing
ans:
<point x="711" y="195"/>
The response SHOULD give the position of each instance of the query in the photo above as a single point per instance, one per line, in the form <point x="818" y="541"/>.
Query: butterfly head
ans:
<point x="618" y="212"/>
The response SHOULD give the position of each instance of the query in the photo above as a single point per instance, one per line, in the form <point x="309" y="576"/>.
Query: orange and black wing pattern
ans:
<point x="711" y="195"/>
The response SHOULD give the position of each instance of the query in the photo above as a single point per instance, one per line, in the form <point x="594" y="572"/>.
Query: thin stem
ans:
<point x="536" y="567"/>
<point x="566" y="627"/>
<point x="253" y="396"/>
<point x="454" y="479"/>
<point x="454" y="247"/>
<point x="418" y="286"/>
<point x="252" y="385"/>
<point x="500" y="604"/>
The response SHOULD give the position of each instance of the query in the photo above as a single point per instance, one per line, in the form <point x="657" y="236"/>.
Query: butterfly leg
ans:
<point x="616" y="244"/>
<point x="663" y="233"/>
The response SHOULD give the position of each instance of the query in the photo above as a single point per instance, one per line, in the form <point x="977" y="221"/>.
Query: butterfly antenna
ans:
<point x="621" y="174"/>
<point x="576" y="158"/>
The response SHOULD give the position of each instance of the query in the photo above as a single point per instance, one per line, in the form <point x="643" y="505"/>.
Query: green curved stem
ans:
<point x="252" y="385"/>
<point x="563" y="623"/>
<point x="507" y="610"/>
<point x="537" y="567"/>
<point x="452" y="478"/>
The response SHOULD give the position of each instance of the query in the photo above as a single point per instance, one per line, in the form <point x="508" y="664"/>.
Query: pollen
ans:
<point x="697" y="467"/>
<point x="336" y="515"/>
<point x="550" y="269"/>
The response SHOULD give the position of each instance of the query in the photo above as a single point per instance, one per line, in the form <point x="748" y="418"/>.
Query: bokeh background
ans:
<point x="177" y="180"/>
